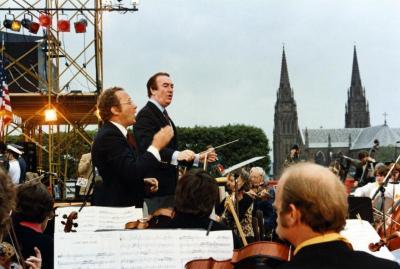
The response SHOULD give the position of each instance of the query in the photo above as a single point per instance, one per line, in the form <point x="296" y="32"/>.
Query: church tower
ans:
<point x="286" y="127"/>
<point x="357" y="111"/>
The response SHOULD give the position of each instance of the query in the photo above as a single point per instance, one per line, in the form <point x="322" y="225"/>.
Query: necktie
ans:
<point x="131" y="140"/>
<point x="166" y="116"/>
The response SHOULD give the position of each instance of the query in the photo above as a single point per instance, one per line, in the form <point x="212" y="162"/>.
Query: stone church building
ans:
<point x="321" y="145"/>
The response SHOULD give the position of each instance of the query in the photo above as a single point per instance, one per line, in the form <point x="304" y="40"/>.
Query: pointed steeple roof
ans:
<point x="357" y="112"/>
<point x="355" y="75"/>
<point x="284" y="72"/>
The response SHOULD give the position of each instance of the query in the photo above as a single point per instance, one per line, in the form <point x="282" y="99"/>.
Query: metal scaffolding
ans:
<point x="67" y="77"/>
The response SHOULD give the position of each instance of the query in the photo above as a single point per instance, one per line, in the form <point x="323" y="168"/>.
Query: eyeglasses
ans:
<point x="126" y="103"/>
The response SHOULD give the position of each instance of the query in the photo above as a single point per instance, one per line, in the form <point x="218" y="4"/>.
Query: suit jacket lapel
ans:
<point x="159" y="114"/>
<point x="115" y="129"/>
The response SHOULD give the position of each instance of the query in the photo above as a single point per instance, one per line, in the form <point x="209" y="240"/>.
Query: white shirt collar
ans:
<point x="123" y="130"/>
<point x="160" y="107"/>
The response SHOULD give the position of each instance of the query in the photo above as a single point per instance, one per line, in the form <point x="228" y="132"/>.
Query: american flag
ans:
<point x="5" y="103"/>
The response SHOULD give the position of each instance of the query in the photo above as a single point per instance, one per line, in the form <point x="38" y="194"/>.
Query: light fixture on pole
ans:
<point x="50" y="115"/>
<point x="63" y="25"/>
<point x="12" y="24"/>
<point x="45" y="19"/>
<point x="80" y="25"/>
<point x="33" y="27"/>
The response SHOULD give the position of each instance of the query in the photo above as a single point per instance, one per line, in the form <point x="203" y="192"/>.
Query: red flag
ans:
<point x="5" y="107"/>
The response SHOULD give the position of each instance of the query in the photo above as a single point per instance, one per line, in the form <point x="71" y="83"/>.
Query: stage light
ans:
<point x="63" y="25"/>
<point x="33" y="27"/>
<point x="45" y="19"/>
<point x="50" y="115"/>
<point x="80" y="26"/>
<point x="12" y="24"/>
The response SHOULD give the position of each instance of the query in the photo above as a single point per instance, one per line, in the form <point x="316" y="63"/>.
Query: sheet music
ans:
<point x="94" y="218"/>
<point x="147" y="249"/>
<point x="360" y="233"/>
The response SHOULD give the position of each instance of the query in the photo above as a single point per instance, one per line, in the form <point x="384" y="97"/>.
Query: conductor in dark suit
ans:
<point x="151" y="118"/>
<point x="121" y="170"/>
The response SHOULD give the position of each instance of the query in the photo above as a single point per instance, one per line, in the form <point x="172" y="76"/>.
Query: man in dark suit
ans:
<point x="121" y="170"/>
<point x="151" y="118"/>
<point x="311" y="205"/>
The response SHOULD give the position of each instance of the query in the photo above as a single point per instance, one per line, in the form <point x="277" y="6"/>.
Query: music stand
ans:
<point x="360" y="206"/>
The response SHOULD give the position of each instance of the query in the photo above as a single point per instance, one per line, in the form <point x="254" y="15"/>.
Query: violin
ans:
<point x="69" y="224"/>
<point x="158" y="219"/>
<point x="7" y="256"/>
<point x="263" y="254"/>
<point x="392" y="241"/>
<point x="385" y="242"/>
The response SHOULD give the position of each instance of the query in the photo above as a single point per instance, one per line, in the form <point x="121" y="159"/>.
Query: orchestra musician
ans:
<point x="264" y="197"/>
<point x="33" y="211"/>
<point x="195" y="198"/>
<point x="7" y="204"/>
<point x="311" y="204"/>
<point x="369" y="189"/>
<point x="392" y="189"/>
<point x="238" y="185"/>
<point x="293" y="157"/>
<point x="364" y="169"/>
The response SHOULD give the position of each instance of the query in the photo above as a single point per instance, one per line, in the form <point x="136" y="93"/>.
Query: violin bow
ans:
<point x="214" y="148"/>
<point x="231" y="208"/>
<point x="220" y="146"/>
<point x="14" y="241"/>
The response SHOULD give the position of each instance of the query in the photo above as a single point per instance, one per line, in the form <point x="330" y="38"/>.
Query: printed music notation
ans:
<point x="148" y="249"/>
<point x="93" y="218"/>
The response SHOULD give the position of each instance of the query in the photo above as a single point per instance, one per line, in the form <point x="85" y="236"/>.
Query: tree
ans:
<point x="252" y="142"/>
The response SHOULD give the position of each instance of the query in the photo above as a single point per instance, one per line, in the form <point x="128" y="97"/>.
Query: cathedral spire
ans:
<point x="355" y="75"/>
<point x="357" y="111"/>
<point x="286" y="126"/>
<point x="284" y="72"/>
<point x="284" y="91"/>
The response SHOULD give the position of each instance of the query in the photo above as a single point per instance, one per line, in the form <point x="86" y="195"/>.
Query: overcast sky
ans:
<point x="224" y="57"/>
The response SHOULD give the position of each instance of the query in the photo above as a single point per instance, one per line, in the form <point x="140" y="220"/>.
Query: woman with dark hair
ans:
<point x="33" y="211"/>
<point x="7" y="205"/>
<point x="195" y="197"/>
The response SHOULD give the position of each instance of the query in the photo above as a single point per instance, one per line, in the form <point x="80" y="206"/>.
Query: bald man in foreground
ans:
<point x="311" y="205"/>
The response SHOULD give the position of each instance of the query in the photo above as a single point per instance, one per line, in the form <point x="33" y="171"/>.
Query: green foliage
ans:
<point x="386" y="154"/>
<point x="253" y="142"/>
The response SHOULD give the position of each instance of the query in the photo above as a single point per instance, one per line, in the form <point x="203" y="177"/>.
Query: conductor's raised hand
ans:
<point x="186" y="155"/>
<point x="162" y="137"/>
